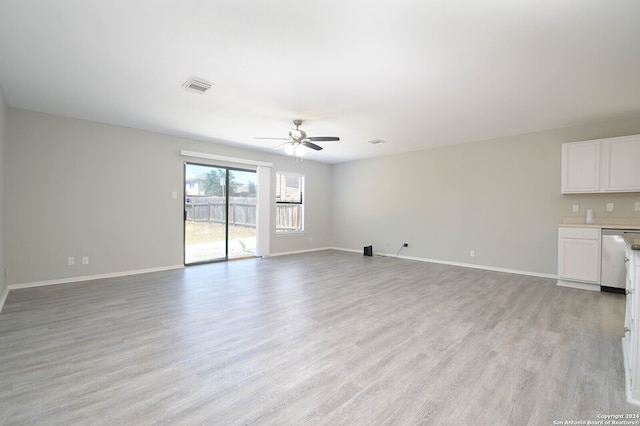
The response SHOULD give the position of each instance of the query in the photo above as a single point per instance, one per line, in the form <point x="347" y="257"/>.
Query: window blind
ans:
<point x="289" y="188"/>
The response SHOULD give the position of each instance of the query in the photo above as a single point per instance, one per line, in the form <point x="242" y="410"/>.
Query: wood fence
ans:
<point x="204" y="208"/>
<point x="288" y="217"/>
<point x="242" y="212"/>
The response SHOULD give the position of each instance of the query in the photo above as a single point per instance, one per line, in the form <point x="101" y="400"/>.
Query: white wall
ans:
<point x="79" y="188"/>
<point x="500" y="198"/>
<point x="3" y="127"/>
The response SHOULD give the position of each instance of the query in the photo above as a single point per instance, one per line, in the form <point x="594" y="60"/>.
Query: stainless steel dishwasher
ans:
<point x="613" y="273"/>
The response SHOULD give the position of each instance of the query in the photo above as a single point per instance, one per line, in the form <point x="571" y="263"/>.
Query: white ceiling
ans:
<point x="415" y="73"/>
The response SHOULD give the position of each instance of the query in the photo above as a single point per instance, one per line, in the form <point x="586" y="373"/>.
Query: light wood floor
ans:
<point x="319" y="338"/>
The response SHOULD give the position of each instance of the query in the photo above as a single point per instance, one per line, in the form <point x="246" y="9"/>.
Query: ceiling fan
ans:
<point x="298" y="140"/>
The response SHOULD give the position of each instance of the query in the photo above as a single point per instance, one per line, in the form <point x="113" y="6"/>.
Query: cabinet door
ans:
<point x="620" y="166"/>
<point x="580" y="167"/>
<point x="630" y="287"/>
<point x="628" y="334"/>
<point x="634" y="333"/>
<point x="579" y="259"/>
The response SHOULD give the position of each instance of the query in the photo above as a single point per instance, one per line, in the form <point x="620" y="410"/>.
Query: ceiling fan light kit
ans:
<point x="295" y="149"/>
<point x="298" y="141"/>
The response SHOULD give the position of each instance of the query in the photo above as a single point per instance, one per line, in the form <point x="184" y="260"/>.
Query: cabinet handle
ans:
<point x="626" y="259"/>
<point x="627" y="329"/>
<point x="627" y="291"/>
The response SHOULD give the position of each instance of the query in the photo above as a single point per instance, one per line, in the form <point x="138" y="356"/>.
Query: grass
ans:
<point x="204" y="232"/>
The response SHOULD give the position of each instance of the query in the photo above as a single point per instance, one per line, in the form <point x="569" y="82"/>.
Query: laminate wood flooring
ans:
<point x="324" y="338"/>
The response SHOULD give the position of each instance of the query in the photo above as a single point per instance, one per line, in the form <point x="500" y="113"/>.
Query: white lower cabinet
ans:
<point x="631" y="329"/>
<point x="579" y="257"/>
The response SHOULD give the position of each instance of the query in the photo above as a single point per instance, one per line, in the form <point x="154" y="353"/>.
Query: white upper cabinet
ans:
<point x="580" y="167"/>
<point x="603" y="165"/>
<point x="621" y="164"/>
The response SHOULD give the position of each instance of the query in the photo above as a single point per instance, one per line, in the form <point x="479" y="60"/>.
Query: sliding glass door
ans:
<point x="219" y="213"/>
<point x="242" y="209"/>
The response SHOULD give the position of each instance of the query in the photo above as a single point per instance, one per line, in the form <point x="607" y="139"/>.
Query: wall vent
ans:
<point x="197" y="85"/>
<point x="376" y="141"/>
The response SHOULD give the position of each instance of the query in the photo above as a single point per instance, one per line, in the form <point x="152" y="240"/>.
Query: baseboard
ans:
<point x="286" y="253"/>
<point x="5" y="293"/>
<point x="581" y="286"/>
<point x="92" y="277"/>
<point x="463" y="265"/>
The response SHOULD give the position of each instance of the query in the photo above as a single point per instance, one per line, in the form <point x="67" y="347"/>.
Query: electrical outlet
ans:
<point x="85" y="260"/>
<point x="610" y="207"/>
<point x="637" y="206"/>
<point x="71" y="261"/>
<point x="575" y="208"/>
<point x="472" y="253"/>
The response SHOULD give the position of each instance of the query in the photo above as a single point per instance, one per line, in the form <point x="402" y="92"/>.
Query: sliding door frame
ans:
<point x="227" y="170"/>
<point x="263" y="186"/>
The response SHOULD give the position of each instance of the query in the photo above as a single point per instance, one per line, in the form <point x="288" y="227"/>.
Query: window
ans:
<point x="289" y="202"/>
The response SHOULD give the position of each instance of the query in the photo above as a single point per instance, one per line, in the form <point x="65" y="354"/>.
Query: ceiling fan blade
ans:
<point x="311" y="145"/>
<point x="282" y="145"/>
<point x="278" y="139"/>
<point x="323" y="138"/>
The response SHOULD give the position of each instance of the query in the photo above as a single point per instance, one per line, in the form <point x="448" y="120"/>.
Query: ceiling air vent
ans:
<point x="197" y="85"/>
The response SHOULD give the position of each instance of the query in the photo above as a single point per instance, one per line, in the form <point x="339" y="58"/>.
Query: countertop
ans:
<point x="632" y="223"/>
<point x="601" y="226"/>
